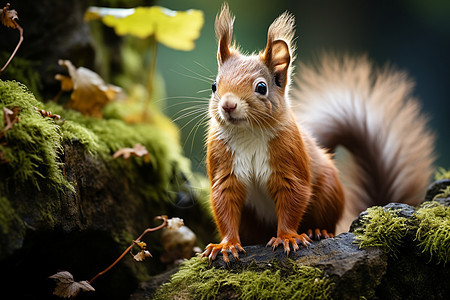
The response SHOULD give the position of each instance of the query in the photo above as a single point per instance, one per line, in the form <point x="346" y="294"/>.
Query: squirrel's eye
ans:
<point x="261" y="88"/>
<point x="214" y="87"/>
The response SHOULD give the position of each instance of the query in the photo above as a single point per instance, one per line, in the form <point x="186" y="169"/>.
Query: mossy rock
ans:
<point x="66" y="203"/>
<point x="329" y="269"/>
<point x="286" y="280"/>
<point x="396" y="252"/>
<point x="417" y="242"/>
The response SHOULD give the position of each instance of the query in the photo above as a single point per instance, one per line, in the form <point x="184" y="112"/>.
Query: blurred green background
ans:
<point x="411" y="35"/>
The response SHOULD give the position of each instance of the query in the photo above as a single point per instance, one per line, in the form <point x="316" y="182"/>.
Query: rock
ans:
<point x="436" y="188"/>
<point x="410" y="272"/>
<point x="354" y="271"/>
<point x="82" y="232"/>
<point x="148" y="288"/>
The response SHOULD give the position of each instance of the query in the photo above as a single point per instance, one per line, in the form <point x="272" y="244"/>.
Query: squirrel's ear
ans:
<point x="278" y="58"/>
<point x="224" y="33"/>
<point x="280" y="48"/>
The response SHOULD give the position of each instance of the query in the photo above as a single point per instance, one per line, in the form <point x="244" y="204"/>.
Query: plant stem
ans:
<point x="17" y="47"/>
<point x="151" y="77"/>
<point x="164" y="224"/>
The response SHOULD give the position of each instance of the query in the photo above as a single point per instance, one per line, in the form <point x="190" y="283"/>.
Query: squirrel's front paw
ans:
<point x="319" y="234"/>
<point x="213" y="249"/>
<point x="289" y="239"/>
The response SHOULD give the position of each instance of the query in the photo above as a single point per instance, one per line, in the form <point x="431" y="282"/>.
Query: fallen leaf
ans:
<point x="66" y="82"/>
<point x="174" y="29"/>
<point x="10" y="117"/>
<point x="138" y="150"/>
<point x="142" y="255"/>
<point x="67" y="287"/>
<point x="7" y="16"/>
<point x="90" y="92"/>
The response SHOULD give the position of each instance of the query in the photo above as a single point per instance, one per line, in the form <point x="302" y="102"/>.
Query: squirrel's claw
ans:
<point x="289" y="240"/>
<point x="212" y="250"/>
<point x="319" y="234"/>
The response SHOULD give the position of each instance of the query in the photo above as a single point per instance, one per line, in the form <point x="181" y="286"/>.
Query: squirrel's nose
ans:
<point x="229" y="107"/>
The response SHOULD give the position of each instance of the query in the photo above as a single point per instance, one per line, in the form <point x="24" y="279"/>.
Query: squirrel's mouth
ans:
<point x="235" y="121"/>
<point x="229" y="118"/>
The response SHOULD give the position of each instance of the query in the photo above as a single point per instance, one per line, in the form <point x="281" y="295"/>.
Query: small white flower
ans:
<point x="174" y="223"/>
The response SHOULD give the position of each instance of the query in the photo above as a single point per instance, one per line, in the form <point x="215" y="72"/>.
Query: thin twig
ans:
<point x="17" y="47"/>
<point x="164" y="224"/>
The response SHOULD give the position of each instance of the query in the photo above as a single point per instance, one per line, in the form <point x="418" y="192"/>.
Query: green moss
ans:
<point x="32" y="147"/>
<point x="444" y="193"/>
<point x="196" y="280"/>
<point x="105" y="136"/>
<point x="382" y="228"/>
<point x="433" y="230"/>
<point x="442" y="173"/>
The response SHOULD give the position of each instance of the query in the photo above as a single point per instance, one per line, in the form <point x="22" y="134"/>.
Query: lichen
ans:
<point x="382" y="228"/>
<point x="433" y="230"/>
<point x="196" y="280"/>
<point x="441" y="174"/>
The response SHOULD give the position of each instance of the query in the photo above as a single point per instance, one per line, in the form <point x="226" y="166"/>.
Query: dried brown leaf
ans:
<point x="138" y="150"/>
<point x="67" y="287"/>
<point x="90" y="93"/>
<point x="7" y="16"/>
<point x="142" y="255"/>
<point x="10" y="117"/>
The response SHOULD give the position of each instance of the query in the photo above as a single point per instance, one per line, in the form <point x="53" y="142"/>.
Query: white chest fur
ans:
<point x="251" y="166"/>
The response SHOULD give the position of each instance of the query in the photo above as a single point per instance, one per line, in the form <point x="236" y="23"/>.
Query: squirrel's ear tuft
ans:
<point x="224" y="33"/>
<point x="280" y="49"/>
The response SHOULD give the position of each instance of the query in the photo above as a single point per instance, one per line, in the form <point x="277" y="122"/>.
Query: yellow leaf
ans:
<point x="180" y="30"/>
<point x="90" y="92"/>
<point x="174" y="29"/>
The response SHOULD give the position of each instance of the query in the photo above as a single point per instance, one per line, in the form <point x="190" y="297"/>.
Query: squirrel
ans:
<point x="270" y="152"/>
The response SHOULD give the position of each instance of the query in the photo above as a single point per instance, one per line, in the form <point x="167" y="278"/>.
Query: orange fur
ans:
<point x="227" y="192"/>
<point x="290" y="182"/>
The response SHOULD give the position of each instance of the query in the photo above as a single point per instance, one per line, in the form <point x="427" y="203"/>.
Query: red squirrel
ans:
<point x="270" y="152"/>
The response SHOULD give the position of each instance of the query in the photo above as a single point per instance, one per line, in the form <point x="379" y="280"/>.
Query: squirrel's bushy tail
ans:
<point x="371" y="113"/>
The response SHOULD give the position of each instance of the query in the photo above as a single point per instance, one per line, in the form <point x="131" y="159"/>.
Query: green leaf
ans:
<point x="174" y="29"/>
